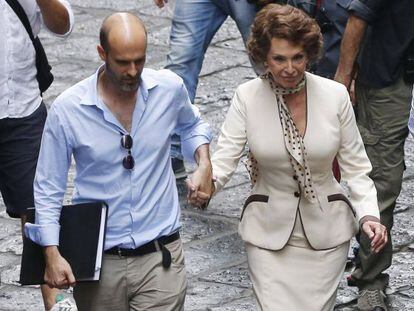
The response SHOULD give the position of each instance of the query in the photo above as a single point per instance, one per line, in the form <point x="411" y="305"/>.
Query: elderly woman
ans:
<point x="298" y="220"/>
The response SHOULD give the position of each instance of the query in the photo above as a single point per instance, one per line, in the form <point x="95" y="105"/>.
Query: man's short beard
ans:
<point x="118" y="82"/>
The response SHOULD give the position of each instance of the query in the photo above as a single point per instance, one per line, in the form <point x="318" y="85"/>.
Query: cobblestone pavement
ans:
<point x="215" y="258"/>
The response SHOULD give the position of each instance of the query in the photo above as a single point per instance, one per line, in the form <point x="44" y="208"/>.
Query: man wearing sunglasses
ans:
<point x="117" y="124"/>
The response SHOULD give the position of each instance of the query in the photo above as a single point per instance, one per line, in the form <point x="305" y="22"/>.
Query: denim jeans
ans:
<point x="195" y="22"/>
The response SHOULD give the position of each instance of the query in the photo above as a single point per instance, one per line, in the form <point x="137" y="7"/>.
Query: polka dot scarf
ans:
<point x="293" y="140"/>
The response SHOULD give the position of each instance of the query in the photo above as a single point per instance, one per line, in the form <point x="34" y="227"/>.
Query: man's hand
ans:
<point x="160" y="3"/>
<point x="58" y="273"/>
<point x="377" y="233"/>
<point x="200" y="184"/>
<point x="200" y="188"/>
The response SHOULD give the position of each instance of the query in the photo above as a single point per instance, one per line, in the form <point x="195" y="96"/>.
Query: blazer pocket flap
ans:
<point x="341" y="197"/>
<point x="254" y="198"/>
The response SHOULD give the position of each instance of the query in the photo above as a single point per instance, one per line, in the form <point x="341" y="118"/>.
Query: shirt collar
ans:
<point x="90" y="97"/>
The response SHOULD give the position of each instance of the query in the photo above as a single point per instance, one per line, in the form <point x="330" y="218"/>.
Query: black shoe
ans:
<point x="178" y="168"/>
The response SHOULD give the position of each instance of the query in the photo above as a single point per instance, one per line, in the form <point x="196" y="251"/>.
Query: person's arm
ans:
<point x="57" y="16"/>
<point x="355" y="169"/>
<point x="195" y="139"/>
<point x="350" y="46"/>
<point x="231" y="142"/>
<point x="201" y="182"/>
<point x="49" y="188"/>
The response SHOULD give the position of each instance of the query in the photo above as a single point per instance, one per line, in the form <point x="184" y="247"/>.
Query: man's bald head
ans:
<point x="122" y="26"/>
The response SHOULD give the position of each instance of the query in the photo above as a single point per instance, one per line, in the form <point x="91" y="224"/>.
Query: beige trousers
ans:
<point x="136" y="283"/>
<point x="296" y="278"/>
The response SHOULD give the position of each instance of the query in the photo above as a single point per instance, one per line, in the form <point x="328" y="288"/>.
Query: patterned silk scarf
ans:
<point x="293" y="141"/>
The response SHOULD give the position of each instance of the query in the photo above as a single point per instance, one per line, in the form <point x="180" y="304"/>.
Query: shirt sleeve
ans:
<point x="355" y="165"/>
<point x="367" y="10"/>
<point x="50" y="182"/>
<point x="193" y="131"/>
<point x="231" y="143"/>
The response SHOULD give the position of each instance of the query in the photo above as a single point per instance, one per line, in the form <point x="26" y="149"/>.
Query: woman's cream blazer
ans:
<point x="269" y="214"/>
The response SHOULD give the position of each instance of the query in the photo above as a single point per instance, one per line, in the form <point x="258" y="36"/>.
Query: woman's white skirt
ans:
<point x="297" y="277"/>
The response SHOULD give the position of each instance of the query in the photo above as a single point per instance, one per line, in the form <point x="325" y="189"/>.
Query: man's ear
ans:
<point x="101" y="52"/>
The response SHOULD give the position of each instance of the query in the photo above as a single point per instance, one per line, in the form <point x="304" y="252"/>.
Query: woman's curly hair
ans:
<point x="284" y="22"/>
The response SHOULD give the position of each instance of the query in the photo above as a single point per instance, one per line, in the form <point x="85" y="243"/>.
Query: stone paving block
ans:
<point x="229" y="202"/>
<point x="207" y="296"/>
<point x="228" y="31"/>
<point x="11" y="276"/>
<point x="236" y="276"/>
<point x="218" y="59"/>
<point x="196" y="226"/>
<point x="244" y="304"/>
<point x="12" y="243"/>
<point x="8" y="260"/>
<point x="403" y="233"/>
<point x="16" y="298"/>
<point x="233" y="44"/>
<point x="204" y="258"/>
<point x="220" y="86"/>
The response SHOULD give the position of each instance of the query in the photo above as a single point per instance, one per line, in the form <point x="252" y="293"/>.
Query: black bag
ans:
<point x="44" y="75"/>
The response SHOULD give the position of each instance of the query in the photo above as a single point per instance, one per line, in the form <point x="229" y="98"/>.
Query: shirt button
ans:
<point x="296" y="194"/>
<point x="295" y="177"/>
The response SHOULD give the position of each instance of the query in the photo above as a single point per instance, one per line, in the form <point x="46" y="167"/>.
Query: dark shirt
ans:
<point x="331" y="16"/>
<point x="390" y="32"/>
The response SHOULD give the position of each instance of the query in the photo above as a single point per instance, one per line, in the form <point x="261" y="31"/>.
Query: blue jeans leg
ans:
<point x="194" y="24"/>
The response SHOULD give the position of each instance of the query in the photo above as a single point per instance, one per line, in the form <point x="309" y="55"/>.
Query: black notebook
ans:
<point x="81" y="243"/>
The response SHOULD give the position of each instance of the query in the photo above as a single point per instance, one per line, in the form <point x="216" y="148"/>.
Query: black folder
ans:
<point x="81" y="242"/>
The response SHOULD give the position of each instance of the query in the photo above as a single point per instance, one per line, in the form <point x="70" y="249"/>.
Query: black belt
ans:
<point x="150" y="247"/>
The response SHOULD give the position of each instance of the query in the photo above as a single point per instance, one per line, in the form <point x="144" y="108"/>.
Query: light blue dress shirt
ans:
<point x="143" y="202"/>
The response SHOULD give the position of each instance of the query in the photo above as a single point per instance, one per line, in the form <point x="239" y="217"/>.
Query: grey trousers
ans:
<point x="382" y="116"/>
<point x="136" y="283"/>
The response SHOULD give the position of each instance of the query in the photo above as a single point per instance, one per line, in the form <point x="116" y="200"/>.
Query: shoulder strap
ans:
<point x="21" y="14"/>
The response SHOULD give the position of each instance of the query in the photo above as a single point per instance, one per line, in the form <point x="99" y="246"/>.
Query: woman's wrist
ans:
<point x="368" y="218"/>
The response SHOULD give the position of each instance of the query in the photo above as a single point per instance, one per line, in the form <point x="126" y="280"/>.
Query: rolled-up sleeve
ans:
<point x="193" y="131"/>
<point x="50" y="182"/>
<point x="367" y="9"/>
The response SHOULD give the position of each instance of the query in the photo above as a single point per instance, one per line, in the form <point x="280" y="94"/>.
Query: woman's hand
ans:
<point x="200" y="187"/>
<point x="377" y="233"/>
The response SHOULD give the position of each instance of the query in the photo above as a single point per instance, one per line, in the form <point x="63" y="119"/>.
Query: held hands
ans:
<point x="58" y="273"/>
<point x="200" y="186"/>
<point x="377" y="233"/>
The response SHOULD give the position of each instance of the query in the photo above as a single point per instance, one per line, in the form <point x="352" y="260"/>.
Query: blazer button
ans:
<point x="296" y="194"/>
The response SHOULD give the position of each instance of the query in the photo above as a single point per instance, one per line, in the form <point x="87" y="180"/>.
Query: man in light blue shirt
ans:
<point x="117" y="125"/>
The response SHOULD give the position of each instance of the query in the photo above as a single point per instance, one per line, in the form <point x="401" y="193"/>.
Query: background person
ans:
<point x="194" y="25"/>
<point x="22" y="111"/>
<point x="377" y="44"/>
